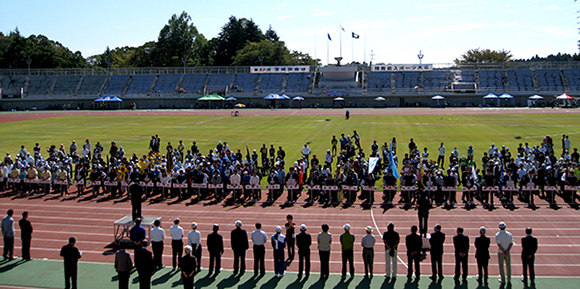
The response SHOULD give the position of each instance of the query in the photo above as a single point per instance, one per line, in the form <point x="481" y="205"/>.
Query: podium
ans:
<point x="122" y="227"/>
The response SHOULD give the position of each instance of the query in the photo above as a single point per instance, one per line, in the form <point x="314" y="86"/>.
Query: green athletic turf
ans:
<point x="291" y="132"/>
<point x="49" y="274"/>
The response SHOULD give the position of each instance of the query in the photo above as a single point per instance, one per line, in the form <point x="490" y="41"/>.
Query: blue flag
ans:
<point x="393" y="165"/>
<point x="329" y="36"/>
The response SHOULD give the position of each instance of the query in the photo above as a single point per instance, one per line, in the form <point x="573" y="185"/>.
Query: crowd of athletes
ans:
<point x="545" y="169"/>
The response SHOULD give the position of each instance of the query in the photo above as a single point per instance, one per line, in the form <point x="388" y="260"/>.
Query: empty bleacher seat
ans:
<point x="66" y="84"/>
<point x="40" y="85"/>
<point x="140" y="84"/>
<point x="193" y="83"/>
<point x="297" y="82"/>
<point x="271" y="82"/>
<point x="379" y="81"/>
<point x="92" y="84"/>
<point x="166" y="83"/>
<point x="117" y="84"/>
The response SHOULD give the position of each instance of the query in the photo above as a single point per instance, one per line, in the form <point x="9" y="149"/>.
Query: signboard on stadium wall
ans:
<point x="402" y="67"/>
<point x="336" y="93"/>
<point x="280" y="69"/>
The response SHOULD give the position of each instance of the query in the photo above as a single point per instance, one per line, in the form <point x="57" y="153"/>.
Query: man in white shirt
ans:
<point x="306" y="151"/>
<point x="368" y="243"/>
<point x="194" y="240"/>
<point x="505" y="241"/>
<point x="259" y="239"/>
<point x="176" y="233"/>
<point x="157" y="237"/>
<point x="328" y="158"/>
<point x="441" y="157"/>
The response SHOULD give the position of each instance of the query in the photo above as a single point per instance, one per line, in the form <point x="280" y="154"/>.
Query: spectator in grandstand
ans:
<point x="505" y="241"/>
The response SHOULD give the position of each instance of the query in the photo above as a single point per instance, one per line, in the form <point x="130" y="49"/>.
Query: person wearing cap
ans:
<point x="239" y="243"/>
<point x="188" y="265"/>
<point x="441" y="157"/>
<point x="368" y="244"/>
<point x="529" y="248"/>
<point x="347" y="246"/>
<point x="215" y="246"/>
<point x="414" y="244"/>
<point x="461" y="244"/>
<point x="436" y="241"/>
<point x="194" y="240"/>
<point x="157" y="237"/>
<point x="259" y="239"/>
<point x="176" y="232"/>
<point x="303" y="242"/>
<point x="328" y="158"/>
<point x="505" y="241"/>
<point x="482" y="255"/>
<point x="278" y="244"/>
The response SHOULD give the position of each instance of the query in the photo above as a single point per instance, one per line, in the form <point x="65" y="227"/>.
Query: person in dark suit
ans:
<point x="303" y="242"/>
<point x="188" y="265"/>
<point x="461" y="244"/>
<point x="123" y="266"/>
<point x="529" y="248"/>
<point x="423" y="207"/>
<point x="436" y="242"/>
<point x="215" y="246"/>
<point x="71" y="256"/>
<point x="239" y="242"/>
<point x="414" y="245"/>
<point x="482" y="255"/>
<point x="25" y="235"/>
<point x="144" y="264"/>
<point x="136" y="192"/>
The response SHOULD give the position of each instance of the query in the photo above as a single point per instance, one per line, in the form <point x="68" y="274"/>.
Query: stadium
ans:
<point x="216" y="142"/>
<point x="377" y="86"/>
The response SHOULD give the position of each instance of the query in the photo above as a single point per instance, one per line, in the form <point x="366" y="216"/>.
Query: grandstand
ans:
<point x="465" y="83"/>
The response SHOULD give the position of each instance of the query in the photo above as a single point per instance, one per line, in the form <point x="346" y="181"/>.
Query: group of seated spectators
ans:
<point x="339" y="175"/>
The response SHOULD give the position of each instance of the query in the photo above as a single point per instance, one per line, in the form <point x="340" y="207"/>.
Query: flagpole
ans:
<point x="327" y="51"/>
<point x="340" y="37"/>
<point x="314" y="46"/>
<point x="365" y="46"/>
<point x="352" y="48"/>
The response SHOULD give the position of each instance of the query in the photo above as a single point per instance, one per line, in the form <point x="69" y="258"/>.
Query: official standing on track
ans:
<point x="436" y="241"/>
<point x="157" y="237"/>
<point x="144" y="264"/>
<point x="461" y="244"/>
<point x="505" y="241"/>
<point x="303" y="242"/>
<point x="194" y="240"/>
<point x="239" y="243"/>
<point x="25" y="235"/>
<point x="259" y="239"/>
<point x="482" y="255"/>
<point x="324" y="241"/>
<point x="391" y="240"/>
<point x="71" y="256"/>
<point x="176" y="232"/>
<point x="215" y="246"/>
<point x="368" y="254"/>
<point x="278" y="244"/>
<point x="347" y="246"/>
<point x="8" y="234"/>
<point x="123" y="266"/>
<point x="529" y="248"/>
<point x="414" y="245"/>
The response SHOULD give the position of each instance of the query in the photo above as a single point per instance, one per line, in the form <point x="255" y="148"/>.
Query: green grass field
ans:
<point x="134" y="132"/>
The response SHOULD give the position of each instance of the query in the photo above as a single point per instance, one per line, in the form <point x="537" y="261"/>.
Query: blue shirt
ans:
<point x="137" y="233"/>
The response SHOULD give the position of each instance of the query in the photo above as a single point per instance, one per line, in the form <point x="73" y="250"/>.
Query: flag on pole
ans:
<point x="329" y="36"/>
<point x="393" y="165"/>
<point x="372" y="163"/>
<point x="355" y="36"/>
<point x="342" y="28"/>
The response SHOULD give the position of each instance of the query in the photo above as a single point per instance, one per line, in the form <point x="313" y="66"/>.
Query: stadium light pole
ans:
<point x="184" y="60"/>
<point x="261" y="59"/>
<point x="420" y="56"/>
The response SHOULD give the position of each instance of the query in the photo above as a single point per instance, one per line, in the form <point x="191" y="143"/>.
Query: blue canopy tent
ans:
<point x="508" y="98"/>
<point x="274" y="97"/>
<point x="490" y="96"/>
<point x="105" y="100"/>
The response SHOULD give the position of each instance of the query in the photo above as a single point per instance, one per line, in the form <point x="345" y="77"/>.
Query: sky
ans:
<point x="390" y="31"/>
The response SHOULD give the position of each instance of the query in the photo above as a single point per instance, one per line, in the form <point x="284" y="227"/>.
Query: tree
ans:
<point x="271" y="35"/>
<point x="234" y="36"/>
<point x="273" y="53"/>
<point x="176" y="41"/>
<point x="299" y="58"/>
<point x="478" y="55"/>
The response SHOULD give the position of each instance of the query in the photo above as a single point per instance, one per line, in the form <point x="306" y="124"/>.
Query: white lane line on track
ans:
<point x="379" y="231"/>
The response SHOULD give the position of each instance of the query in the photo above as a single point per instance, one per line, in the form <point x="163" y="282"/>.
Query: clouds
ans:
<point x="441" y="5"/>
<point x="318" y="13"/>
